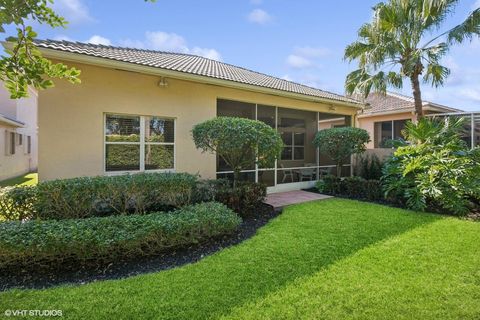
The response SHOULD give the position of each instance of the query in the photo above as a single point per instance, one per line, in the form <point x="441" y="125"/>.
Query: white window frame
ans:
<point x="141" y="143"/>
<point x="392" y="133"/>
<point x="293" y="145"/>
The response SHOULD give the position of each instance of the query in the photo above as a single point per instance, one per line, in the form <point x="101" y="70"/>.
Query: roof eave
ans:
<point x="10" y="122"/>
<point x="385" y="113"/>
<point x="441" y="108"/>
<point x="104" y="62"/>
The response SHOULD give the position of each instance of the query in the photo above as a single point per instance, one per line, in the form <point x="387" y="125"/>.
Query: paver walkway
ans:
<point x="282" y="199"/>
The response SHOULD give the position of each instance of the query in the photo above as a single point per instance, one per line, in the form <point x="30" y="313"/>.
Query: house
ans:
<point x="18" y="134"/>
<point x="135" y="109"/>
<point x="384" y="118"/>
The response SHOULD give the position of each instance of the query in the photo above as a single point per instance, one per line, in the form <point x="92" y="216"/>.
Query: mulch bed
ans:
<point x="68" y="274"/>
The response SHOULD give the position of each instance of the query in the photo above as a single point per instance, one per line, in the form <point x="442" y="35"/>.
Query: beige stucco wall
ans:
<point x="368" y="123"/>
<point x="16" y="164"/>
<point x="71" y="141"/>
<point x="25" y="111"/>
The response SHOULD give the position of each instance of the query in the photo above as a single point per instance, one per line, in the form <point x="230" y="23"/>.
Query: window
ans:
<point x="294" y="148"/>
<point x="20" y="139"/>
<point x="12" y="143"/>
<point x="29" y="144"/>
<point x="9" y="143"/>
<point x="387" y="131"/>
<point x="139" y="143"/>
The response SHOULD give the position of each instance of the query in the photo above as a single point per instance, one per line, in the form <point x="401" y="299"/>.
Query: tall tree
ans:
<point x="24" y="65"/>
<point x="396" y="45"/>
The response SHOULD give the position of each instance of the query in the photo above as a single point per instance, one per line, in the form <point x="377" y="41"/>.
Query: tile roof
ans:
<point x="190" y="64"/>
<point x="392" y="101"/>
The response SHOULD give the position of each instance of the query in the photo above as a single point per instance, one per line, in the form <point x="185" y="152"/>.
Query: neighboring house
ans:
<point x="384" y="118"/>
<point x="135" y="109"/>
<point x="18" y="134"/>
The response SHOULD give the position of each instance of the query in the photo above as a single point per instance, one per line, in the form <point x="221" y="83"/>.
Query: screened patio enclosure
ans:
<point x="300" y="163"/>
<point x="471" y="130"/>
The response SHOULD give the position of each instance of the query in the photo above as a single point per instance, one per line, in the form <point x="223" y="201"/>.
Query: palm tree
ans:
<point x="395" y="45"/>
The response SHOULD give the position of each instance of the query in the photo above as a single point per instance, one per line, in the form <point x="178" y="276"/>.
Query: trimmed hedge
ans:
<point x="98" y="196"/>
<point x="244" y="199"/>
<point x="98" y="240"/>
<point x="351" y="187"/>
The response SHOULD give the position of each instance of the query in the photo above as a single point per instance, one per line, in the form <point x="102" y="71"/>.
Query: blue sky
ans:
<point x="302" y="41"/>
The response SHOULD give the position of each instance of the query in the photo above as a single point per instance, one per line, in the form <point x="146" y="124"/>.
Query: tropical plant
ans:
<point x="239" y="142"/>
<point x="436" y="170"/>
<point x="341" y="143"/>
<point x="24" y="64"/>
<point x="396" y="44"/>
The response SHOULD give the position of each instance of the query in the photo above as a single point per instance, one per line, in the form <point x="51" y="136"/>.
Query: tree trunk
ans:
<point x="339" y="170"/>
<point x="417" y="96"/>
<point x="236" y="176"/>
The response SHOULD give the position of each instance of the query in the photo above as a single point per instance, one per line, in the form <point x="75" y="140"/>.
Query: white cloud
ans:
<point x="96" y="39"/>
<point x="259" y="16"/>
<point x="299" y="62"/>
<point x="476" y="5"/>
<point x="461" y="90"/>
<point x="306" y="57"/>
<point x="74" y="11"/>
<point x="164" y="41"/>
<point x="287" y="77"/>
<point x="311" y="52"/>
<point x="207" y="53"/>
<point x="471" y="94"/>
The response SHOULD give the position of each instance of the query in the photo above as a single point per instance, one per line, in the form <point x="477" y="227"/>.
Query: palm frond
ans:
<point x="361" y="82"/>
<point x="436" y="74"/>
<point x="467" y="29"/>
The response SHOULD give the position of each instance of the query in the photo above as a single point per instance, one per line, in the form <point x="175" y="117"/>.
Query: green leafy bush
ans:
<point x="329" y="184"/>
<point x="436" y="171"/>
<point x="17" y="203"/>
<point x="351" y="187"/>
<point x="369" y="167"/>
<point x="339" y="144"/>
<point x="238" y="141"/>
<point x="99" y="196"/>
<point x="245" y="199"/>
<point x="94" y="241"/>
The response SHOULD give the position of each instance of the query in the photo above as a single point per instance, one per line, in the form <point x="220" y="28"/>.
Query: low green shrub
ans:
<point x="206" y="190"/>
<point x="369" y="167"/>
<point x="351" y="187"/>
<point x="98" y="196"/>
<point x="100" y="240"/>
<point x="17" y="203"/>
<point x="329" y="184"/>
<point x="244" y="199"/>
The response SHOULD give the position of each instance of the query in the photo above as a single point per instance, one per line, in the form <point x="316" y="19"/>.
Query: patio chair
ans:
<point x="307" y="174"/>
<point x="287" y="174"/>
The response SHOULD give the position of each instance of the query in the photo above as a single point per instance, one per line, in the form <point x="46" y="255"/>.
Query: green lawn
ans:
<point x="28" y="179"/>
<point x="332" y="259"/>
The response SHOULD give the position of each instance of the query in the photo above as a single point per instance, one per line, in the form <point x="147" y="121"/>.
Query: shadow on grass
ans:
<point x="27" y="179"/>
<point x="305" y="239"/>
